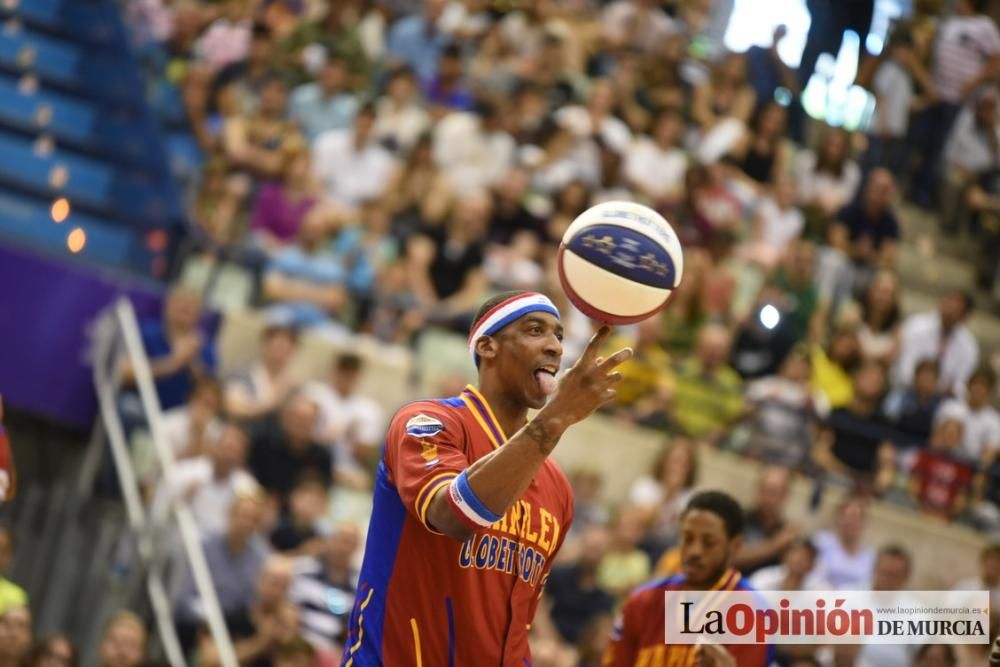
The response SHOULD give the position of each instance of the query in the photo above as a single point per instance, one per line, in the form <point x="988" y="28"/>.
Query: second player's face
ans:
<point x="706" y="548"/>
<point x="530" y="348"/>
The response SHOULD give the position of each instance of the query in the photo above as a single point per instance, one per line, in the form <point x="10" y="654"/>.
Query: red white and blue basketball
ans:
<point x="619" y="262"/>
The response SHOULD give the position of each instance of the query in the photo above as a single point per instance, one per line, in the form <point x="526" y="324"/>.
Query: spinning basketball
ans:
<point x="619" y="262"/>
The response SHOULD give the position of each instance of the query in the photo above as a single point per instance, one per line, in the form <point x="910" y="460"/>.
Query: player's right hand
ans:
<point x="590" y="383"/>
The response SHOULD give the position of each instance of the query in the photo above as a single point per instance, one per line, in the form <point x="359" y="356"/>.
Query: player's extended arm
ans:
<point x="500" y="478"/>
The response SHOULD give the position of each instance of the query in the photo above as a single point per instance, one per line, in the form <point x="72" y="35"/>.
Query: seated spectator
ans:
<point x="911" y="410"/>
<point x="767" y="532"/>
<point x="794" y="291"/>
<point x="15" y="635"/>
<point x="211" y="482"/>
<point x="598" y="119"/>
<point x="247" y="77"/>
<point x="282" y="449"/>
<point x="573" y="591"/>
<point x="869" y="224"/>
<point x="50" y="651"/>
<point x="571" y="200"/>
<point x="400" y="118"/>
<point x="941" y="477"/>
<point x="625" y="566"/>
<point x="420" y="194"/>
<point x="263" y="386"/>
<point x="257" y="143"/>
<point x="234" y="558"/>
<point x="763" y="160"/>
<point x="265" y="625"/>
<point x="708" y="397"/>
<point x="855" y="442"/>
<point x="588" y="507"/>
<point x="880" y="317"/>
<point x="350" y="422"/>
<point x="989" y="574"/>
<point x="794" y="572"/>
<point x="177" y="350"/>
<point x="323" y="588"/>
<point x="833" y="367"/>
<point x="980" y="420"/>
<point x="473" y="148"/>
<point x="843" y="559"/>
<point x="189" y="428"/>
<point x="635" y="24"/>
<point x="297" y="530"/>
<point x="828" y="181"/>
<point x="325" y="104"/>
<point x="647" y="378"/>
<point x="11" y="595"/>
<point x="282" y="204"/>
<point x="123" y="642"/>
<point x="662" y="495"/>
<point x="710" y="213"/>
<point x="511" y="216"/>
<point x="446" y="264"/>
<point x="306" y="283"/>
<point x="227" y="38"/>
<point x="971" y="150"/>
<point x="687" y="313"/>
<point x="448" y="89"/>
<point x="416" y="40"/>
<point x="941" y="335"/>
<point x="785" y="414"/>
<point x="778" y="222"/>
<point x="655" y="166"/>
<point x="395" y="315"/>
<point x="351" y="164"/>
<point x="893" y="566"/>
<point x="725" y="94"/>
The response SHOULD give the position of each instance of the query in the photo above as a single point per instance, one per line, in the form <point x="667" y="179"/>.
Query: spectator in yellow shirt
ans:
<point x="833" y="367"/>
<point x="708" y="396"/>
<point x="647" y="382"/>
<point x="11" y="595"/>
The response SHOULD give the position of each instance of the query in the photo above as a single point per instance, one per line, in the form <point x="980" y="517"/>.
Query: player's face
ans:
<point x="706" y="548"/>
<point x="528" y="357"/>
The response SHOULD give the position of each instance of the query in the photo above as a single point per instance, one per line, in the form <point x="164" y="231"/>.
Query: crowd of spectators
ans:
<point x="383" y="166"/>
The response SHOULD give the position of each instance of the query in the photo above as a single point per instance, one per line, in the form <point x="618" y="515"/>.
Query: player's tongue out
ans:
<point x="546" y="381"/>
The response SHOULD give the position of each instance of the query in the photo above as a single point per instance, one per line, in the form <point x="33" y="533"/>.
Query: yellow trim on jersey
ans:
<point x="482" y="423"/>
<point x="489" y="411"/>
<point x="438" y="481"/>
<point x="361" y="628"/>
<point x="416" y="642"/>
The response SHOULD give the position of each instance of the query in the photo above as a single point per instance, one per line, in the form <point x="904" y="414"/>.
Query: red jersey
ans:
<point x="426" y="599"/>
<point x="638" y="636"/>
<point x="8" y="478"/>
<point x="941" y="479"/>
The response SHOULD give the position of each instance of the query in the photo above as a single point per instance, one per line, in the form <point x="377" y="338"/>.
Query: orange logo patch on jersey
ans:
<point x="429" y="452"/>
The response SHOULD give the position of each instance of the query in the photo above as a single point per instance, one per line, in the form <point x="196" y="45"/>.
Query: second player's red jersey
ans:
<point x="426" y="599"/>
<point x="639" y="633"/>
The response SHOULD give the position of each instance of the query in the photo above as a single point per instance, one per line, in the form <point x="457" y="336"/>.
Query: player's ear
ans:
<point x="487" y="347"/>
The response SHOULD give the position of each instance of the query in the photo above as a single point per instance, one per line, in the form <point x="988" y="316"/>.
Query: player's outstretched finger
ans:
<point x="610" y="395"/>
<point x="614" y="378"/>
<point x="619" y="357"/>
<point x="595" y="342"/>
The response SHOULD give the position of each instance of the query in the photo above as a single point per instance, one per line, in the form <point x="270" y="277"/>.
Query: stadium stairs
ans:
<point x="75" y="123"/>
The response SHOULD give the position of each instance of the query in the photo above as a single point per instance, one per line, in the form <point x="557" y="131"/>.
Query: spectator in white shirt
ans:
<point x="778" y="222"/>
<point x="796" y="572"/>
<point x="209" y="483"/>
<point x="261" y="387"/>
<point x="189" y="428"/>
<point x="980" y="420"/>
<point x="400" y="118"/>
<point x="828" y="179"/>
<point x="656" y="166"/>
<point x="941" y="335"/>
<point x="352" y="165"/>
<point x="844" y="560"/>
<point x="989" y="575"/>
<point x="352" y="423"/>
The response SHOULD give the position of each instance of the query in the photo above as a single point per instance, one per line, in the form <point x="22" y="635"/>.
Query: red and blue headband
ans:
<point x="506" y="312"/>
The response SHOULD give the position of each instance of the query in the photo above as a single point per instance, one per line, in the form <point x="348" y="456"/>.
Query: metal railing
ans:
<point x="116" y="337"/>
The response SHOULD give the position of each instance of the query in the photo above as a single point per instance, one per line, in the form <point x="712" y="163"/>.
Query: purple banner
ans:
<point x="45" y="309"/>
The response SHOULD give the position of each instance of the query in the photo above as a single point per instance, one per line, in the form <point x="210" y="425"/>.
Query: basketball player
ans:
<point x="469" y="511"/>
<point x="711" y="533"/>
